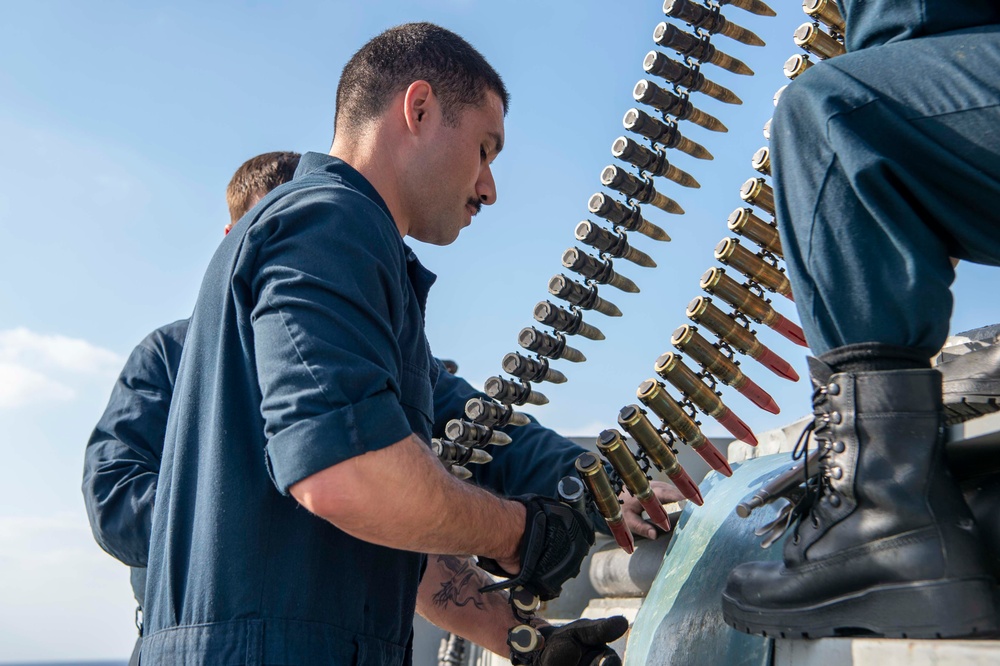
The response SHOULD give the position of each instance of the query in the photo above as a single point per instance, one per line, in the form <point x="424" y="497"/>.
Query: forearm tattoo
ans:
<point x="462" y="588"/>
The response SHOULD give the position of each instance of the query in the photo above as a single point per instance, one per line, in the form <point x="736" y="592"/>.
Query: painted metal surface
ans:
<point x="680" y="622"/>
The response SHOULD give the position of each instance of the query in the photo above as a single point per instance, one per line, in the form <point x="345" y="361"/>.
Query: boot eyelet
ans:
<point x="833" y="389"/>
<point x="836" y="473"/>
<point x="834" y="501"/>
<point x="839" y="447"/>
<point x="795" y="538"/>
<point x="815" y="522"/>
<point x="835" y="418"/>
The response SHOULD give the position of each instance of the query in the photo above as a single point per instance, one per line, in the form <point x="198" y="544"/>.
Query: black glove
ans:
<point x="580" y="643"/>
<point x="556" y="539"/>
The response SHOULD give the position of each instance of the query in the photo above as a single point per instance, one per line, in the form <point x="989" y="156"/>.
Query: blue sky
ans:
<point x="121" y="124"/>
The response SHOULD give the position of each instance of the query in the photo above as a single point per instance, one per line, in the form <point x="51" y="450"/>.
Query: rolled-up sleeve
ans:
<point x="328" y="284"/>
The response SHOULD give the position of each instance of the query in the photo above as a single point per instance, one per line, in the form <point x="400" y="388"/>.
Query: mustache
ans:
<point x="477" y="204"/>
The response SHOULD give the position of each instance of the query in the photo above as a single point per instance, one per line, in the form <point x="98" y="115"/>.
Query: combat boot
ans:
<point x="882" y="542"/>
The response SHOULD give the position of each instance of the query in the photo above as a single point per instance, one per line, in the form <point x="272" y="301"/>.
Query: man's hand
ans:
<point x="632" y="510"/>
<point x="582" y="643"/>
<point x="556" y="539"/>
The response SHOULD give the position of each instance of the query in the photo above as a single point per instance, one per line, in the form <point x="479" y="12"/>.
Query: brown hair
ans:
<point x="255" y="178"/>
<point x="386" y="65"/>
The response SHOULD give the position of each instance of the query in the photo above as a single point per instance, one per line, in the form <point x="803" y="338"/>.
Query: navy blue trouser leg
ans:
<point x="886" y="162"/>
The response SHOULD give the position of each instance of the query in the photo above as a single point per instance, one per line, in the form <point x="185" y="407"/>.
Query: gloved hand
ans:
<point x="580" y="643"/>
<point x="556" y="539"/>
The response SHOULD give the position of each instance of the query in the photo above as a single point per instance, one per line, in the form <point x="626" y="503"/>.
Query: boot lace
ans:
<point x="818" y="482"/>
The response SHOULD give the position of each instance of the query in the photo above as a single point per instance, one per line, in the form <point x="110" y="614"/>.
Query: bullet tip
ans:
<point x="737" y="427"/>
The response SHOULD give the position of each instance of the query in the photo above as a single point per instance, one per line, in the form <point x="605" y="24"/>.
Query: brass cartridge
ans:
<point x="530" y="370"/>
<point x="653" y="394"/>
<point x="743" y="222"/>
<point x="639" y="189"/>
<point x="647" y="92"/>
<point x="626" y="217"/>
<point x="702" y="311"/>
<point x="670" y="367"/>
<point x="826" y="12"/>
<point x="688" y="340"/>
<point x="715" y="281"/>
<point x="611" y="244"/>
<point x="492" y="415"/>
<point x="818" y="43"/>
<point x="565" y="321"/>
<point x="797" y="64"/>
<point x="552" y="346"/>
<point x="710" y="21"/>
<point x="730" y="252"/>
<point x="761" y="161"/>
<point x="525" y="600"/>
<point x="592" y="472"/>
<point x="653" y="162"/>
<point x="524" y="639"/>
<point x="509" y="393"/>
<point x="777" y="94"/>
<point x="752" y="6"/>
<point x="581" y="296"/>
<point x="767" y="129"/>
<point x="460" y="472"/>
<point x="633" y="420"/>
<point x="452" y="453"/>
<point x="670" y="36"/>
<point x="601" y="272"/>
<point x="572" y="491"/>
<point x="473" y="434"/>
<point x="667" y="68"/>
<point x="663" y="133"/>
<point x="757" y="192"/>
<point x="612" y="446"/>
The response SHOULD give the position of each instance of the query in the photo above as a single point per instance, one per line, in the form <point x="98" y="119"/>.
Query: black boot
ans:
<point x="883" y="541"/>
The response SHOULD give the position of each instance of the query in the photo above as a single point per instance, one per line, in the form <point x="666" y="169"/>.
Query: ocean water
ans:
<point x="123" y="662"/>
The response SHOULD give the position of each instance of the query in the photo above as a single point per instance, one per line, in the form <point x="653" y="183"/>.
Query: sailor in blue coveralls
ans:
<point x="886" y="162"/>
<point x="288" y="219"/>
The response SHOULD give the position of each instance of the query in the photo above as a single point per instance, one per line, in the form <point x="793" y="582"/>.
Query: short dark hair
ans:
<point x="256" y="177"/>
<point x="388" y="63"/>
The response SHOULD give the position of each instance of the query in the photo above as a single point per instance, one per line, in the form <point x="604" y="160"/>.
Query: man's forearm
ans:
<point x="449" y="597"/>
<point x="402" y="497"/>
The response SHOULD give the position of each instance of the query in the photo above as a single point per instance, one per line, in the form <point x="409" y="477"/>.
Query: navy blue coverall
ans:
<point x="123" y="456"/>
<point x="886" y="162"/>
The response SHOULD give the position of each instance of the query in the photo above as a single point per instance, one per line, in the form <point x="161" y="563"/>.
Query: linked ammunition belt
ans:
<point x="736" y="293"/>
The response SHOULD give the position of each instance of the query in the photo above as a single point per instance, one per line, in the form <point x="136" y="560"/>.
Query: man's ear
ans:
<point x="419" y="102"/>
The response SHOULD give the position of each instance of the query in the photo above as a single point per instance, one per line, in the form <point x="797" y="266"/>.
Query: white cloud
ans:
<point x="36" y="367"/>
<point x="20" y="386"/>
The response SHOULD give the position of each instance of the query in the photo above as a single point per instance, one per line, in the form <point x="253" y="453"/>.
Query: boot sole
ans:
<point x="925" y="609"/>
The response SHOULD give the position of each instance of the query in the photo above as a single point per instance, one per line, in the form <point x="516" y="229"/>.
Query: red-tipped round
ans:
<point x="622" y="536"/>
<point x="759" y="396"/>
<point x="714" y="458"/>
<point x="687" y="486"/>
<point x="656" y="512"/>
<point x="736" y="426"/>
<point x="777" y="365"/>
<point x="790" y="330"/>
